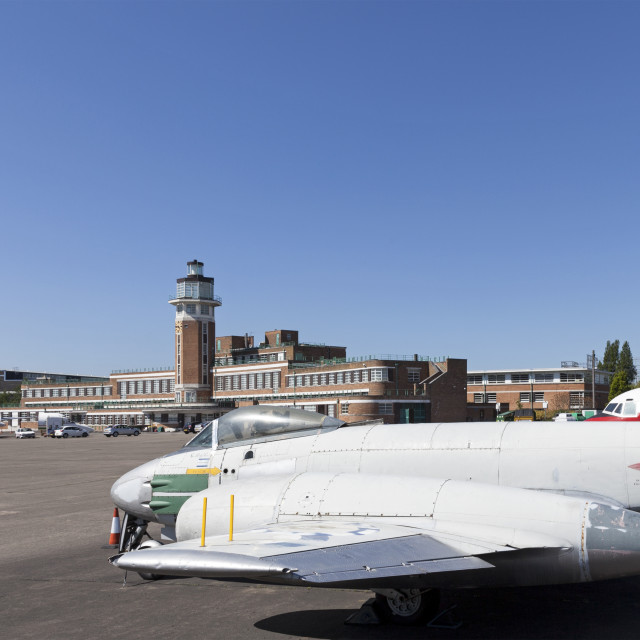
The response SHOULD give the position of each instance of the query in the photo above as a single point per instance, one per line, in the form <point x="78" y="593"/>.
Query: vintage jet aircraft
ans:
<point x="399" y="509"/>
<point x="625" y="406"/>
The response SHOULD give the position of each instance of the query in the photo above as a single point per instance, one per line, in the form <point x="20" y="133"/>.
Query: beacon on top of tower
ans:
<point x="195" y="286"/>
<point x="194" y="268"/>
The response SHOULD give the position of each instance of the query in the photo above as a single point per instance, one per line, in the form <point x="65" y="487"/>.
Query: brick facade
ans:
<point x="551" y="390"/>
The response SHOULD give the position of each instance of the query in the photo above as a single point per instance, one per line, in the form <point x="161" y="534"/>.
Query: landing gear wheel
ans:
<point x="408" y="606"/>
<point x="133" y="530"/>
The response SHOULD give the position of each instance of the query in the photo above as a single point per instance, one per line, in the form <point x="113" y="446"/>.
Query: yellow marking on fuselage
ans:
<point x="214" y="471"/>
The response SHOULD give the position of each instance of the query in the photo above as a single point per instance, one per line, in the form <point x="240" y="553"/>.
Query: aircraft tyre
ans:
<point x="408" y="606"/>
<point x="133" y="530"/>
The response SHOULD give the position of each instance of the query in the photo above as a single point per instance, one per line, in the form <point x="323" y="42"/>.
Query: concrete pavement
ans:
<point x="55" y="581"/>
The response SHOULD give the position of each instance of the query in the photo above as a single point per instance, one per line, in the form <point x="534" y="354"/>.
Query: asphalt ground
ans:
<point x="55" y="581"/>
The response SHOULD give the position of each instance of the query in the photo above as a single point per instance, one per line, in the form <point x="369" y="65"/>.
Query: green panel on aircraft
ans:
<point x="166" y="484"/>
<point x="179" y="483"/>
<point x="168" y="504"/>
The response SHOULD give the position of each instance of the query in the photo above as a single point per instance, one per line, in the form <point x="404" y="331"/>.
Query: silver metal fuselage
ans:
<point x="522" y="503"/>
<point x="594" y="460"/>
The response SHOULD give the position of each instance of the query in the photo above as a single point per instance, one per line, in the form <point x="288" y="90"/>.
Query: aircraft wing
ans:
<point x="324" y="552"/>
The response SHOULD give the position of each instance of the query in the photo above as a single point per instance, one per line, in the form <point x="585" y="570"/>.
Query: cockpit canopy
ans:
<point x="260" y="423"/>
<point x="624" y="409"/>
<point x="625" y="405"/>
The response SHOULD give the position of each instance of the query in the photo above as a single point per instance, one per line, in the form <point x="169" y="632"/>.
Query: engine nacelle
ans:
<point x="499" y="515"/>
<point x="526" y="537"/>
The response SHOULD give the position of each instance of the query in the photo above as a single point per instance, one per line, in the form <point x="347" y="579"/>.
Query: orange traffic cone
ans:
<point x="114" y="537"/>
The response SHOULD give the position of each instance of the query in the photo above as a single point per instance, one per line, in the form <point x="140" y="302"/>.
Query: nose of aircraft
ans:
<point x="132" y="491"/>
<point x="612" y="542"/>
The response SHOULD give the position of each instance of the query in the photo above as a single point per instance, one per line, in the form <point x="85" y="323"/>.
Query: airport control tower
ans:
<point x="195" y="335"/>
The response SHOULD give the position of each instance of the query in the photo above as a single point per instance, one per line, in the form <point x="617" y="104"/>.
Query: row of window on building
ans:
<point x="384" y="408"/>
<point x="253" y="358"/>
<point x="107" y="419"/>
<point x="193" y="309"/>
<point x="351" y="376"/>
<point x="67" y="392"/>
<point x="263" y="380"/>
<point x="146" y="387"/>
<point x="22" y="415"/>
<point x="138" y="418"/>
<point x="525" y="378"/>
<point x="576" y="398"/>
<point x="204" y="349"/>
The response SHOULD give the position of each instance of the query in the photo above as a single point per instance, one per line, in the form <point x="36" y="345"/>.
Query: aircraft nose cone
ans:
<point x="612" y="542"/>
<point x="132" y="492"/>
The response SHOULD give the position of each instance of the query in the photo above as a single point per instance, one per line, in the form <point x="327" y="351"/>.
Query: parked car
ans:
<point x="70" y="431"/>
<point x="565" y="417"/>
<point x="25" y="433"/>
<point x="84" y="427"/>
<point x="121" y="430"/>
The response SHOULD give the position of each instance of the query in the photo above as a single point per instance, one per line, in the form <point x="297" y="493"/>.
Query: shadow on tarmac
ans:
<point x="595" y="611"/>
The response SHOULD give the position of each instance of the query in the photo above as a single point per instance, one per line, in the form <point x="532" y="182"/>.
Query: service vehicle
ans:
<point x="50" y="422"/>
<point x="70" y="431"/>
<point x="565" y="417"/>
<point x="25" y="433"/>
<point x="121" y="430"/>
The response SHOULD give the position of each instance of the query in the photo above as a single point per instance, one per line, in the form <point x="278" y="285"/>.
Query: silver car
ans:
<point x="70" y="431"/>
<point x="121" y="430"/>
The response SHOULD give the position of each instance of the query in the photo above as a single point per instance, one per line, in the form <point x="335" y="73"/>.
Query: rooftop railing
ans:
<point x="300" y="364"/>
<point x="150" y="405"/>
<point x="93" y="382"/>
<point x="217" y="299"/>
<point x="145" y="370"/>
<point x="223" y="361"/>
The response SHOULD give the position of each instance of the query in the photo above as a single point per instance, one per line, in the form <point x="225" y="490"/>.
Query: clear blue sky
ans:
<point x="443" y="178"/>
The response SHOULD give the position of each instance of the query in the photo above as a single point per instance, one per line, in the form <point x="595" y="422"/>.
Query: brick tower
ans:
<point x="195" y="334"/>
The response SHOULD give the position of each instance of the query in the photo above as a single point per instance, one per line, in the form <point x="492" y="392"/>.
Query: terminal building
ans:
<point x="213" y="375"/>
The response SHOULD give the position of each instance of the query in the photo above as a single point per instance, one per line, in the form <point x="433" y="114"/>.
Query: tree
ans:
<point x="625" y="363"/>
<point x="611" y="356"/>
<point x="10" y="398"/>
<point x="558" y="402"/>
<point x="619" y="384"/>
